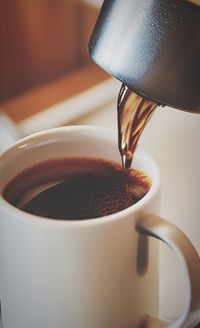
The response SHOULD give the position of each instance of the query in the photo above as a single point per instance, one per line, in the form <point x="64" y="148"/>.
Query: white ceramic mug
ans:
<point x="97" y="273"/>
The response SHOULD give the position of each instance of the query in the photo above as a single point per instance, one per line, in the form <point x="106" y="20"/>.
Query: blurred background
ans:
<point x="48" y="80"/>
<point x="44" y="60"/>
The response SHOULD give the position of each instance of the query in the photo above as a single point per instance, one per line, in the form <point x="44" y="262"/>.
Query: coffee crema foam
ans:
<point x="76" y="188"/>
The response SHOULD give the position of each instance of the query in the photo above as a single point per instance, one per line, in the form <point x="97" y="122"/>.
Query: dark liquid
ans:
<point x="134" y="112"/>
<point x="76" y="189"/>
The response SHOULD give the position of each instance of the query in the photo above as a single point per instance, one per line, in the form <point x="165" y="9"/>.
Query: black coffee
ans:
<point x="76" y="188"/>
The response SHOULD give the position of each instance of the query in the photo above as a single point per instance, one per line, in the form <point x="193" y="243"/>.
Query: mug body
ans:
<point x="94" y="273"/>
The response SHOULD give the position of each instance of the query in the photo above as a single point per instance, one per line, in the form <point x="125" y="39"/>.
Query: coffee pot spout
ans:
<point x="153" y="47"/>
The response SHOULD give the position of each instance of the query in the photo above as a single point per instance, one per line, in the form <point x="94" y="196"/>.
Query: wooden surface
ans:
<point x="42" y="97"/>
<point x="43" y="57"/>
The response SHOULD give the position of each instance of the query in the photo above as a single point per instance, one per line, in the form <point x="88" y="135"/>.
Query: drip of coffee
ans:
<point x="76" y="188"/>
<point x="134" y="112"/>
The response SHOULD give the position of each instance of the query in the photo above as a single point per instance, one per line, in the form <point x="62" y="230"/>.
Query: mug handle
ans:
<point x="189" y="259"/>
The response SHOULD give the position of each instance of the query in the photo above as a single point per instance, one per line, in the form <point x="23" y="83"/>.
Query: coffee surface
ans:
<point x="76" y="188"/>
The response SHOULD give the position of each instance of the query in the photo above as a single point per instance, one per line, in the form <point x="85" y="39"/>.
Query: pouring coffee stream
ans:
<point x="134" y="113"/>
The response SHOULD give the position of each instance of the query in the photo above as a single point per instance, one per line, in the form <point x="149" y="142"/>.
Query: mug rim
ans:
<point x="36" y="137"/>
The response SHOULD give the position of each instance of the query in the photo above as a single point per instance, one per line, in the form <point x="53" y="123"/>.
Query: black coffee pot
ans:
<point x="153" y="47"/>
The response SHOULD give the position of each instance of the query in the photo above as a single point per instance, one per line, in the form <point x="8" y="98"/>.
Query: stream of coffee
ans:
<point x="134" y="112"/>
